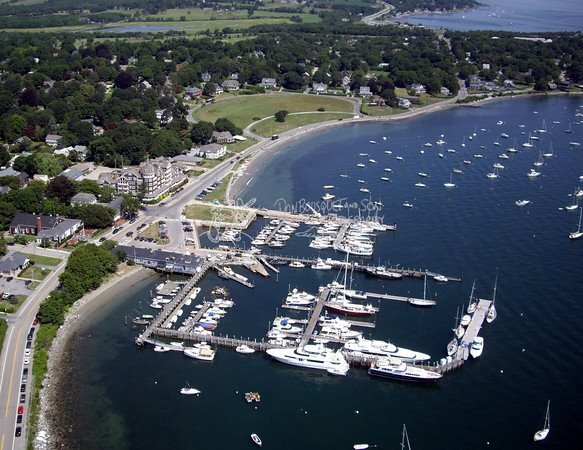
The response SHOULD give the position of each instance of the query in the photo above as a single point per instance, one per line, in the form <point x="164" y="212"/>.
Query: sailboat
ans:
<point x="492" y="310"/>
<point x="493" y="175"/>
<point x="424" y="301"/>
<point x="513" y="148"/>
<point x="550" y="152"/>
<point x="544" y="127"/>
<point x="577" y="234"/>
<point x="451" y="184"/>
<point x="570" y="129"/>
<point x="528" y="144"/>
<point x="539" y="162"/>
<point x="187" y="390"/>
<point x="405" y="439"/>
<point x="459" y="330"/>
<point x="473" y="303"/>
<point x="542" y="434"/>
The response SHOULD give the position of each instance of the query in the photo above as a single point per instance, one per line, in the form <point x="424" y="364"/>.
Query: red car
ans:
<point x="21" y="409"/>
<point x="35" y="322"/>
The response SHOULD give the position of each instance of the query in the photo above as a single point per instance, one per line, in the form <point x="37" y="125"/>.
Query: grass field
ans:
<point x="35" y="272"/>
<point x="3" y="328"/>
<point x="43" y="260"/>
<point x="211" y="212"/>
<point x="239" y="146"/>
<point x="269" y="127"/>
<point x="219" y="192"/>
<point x="6" y="306"/>
<point x="151" y="232"/>
<point x="381" y="111"/>
<point x="241" y="110"/>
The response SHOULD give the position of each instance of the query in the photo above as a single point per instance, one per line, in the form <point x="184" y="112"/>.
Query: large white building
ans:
<point x="152" y="178"/>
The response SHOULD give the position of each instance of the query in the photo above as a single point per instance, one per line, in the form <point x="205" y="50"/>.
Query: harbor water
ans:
<point x="123" y="396"/>
<point x="517" y="15"/>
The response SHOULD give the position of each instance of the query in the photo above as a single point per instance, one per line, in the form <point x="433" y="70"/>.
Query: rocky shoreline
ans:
<point x="55" y="427"/>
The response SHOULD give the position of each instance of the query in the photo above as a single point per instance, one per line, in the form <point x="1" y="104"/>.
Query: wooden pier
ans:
<point x="473" y="329"/>
<point x="406" y="272"/>
<point x="166" y="313"/>
<point x="314" y="316"/>
<point x="226" y="275"/>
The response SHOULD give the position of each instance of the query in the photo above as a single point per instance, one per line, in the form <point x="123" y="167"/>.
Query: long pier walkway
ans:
<point x="315" y="315"/>
<point x="165" y="314"/>
<point x="406" y="272"/>
<point x="473" y="329"/>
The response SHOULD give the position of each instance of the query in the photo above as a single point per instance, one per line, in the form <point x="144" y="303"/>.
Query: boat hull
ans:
<point x="401" y="377"/>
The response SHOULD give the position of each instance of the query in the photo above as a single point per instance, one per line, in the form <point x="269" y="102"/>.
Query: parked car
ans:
<point x="26" y="361"/>
<point x="18" y="432"/>
<point x="102" y="239"/>
<point x="22" y="398"/>
<point x="23" y="388"/>
<point x="19" y="418"/>
<point x="21" y="409"/>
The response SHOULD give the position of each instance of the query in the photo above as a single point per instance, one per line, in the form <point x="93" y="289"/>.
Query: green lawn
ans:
<point x="7" y="307"/>
<point x="35" y="272"/>
<point x="211" y="163"/>
<point x="380" y="111"/>
<point x="3" y="328"/>
<point x="219" y="192"/>
<point x="269" y="127"/>
<point x="195" y="173"/>
<point x="211" y="212"/>
<point x="241" y="110"/>
<point x="151" y="232"/>
<point x="43" y="260"/>
<point x="239" y="146"/>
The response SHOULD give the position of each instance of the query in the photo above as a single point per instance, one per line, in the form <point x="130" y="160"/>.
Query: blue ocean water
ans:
<point x="517" y="15"/>
<point x="122" y="396"/>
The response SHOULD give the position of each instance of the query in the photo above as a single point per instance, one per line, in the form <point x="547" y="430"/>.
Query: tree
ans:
<point x="7" y="213"/>
<point x="202" y="132"/>
<point x="62" y="188"/>
<point x="293" y="81"/>
<point x="11" y="181"/>
<point x="166" y="143"/>
<point x="4" y="156"/>
<point x="124" y="80"/>
<point x="280" y="115"/>
<point x="224" y="124"/>
<point x="130" y="206"/>
<point x="26" y="164"/>
<point x="94" y="216"/>
<point x="52" y="310"/>
<point x="3" y="246"/>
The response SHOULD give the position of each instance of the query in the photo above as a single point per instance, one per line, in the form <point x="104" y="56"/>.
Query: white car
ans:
<point x="26" y="361"/>
<point x="27" y="352"/>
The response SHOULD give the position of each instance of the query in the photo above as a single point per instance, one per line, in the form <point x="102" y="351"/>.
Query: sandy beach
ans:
<point x="61" y="361"/>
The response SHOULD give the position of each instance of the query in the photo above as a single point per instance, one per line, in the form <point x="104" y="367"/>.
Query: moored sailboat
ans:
<point x="543" y="433"/>
<point x="491" y="316"/>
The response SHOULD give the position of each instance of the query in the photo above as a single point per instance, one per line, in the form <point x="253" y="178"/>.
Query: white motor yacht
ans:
<point x="201" y="351"/>
<point x="327" y="197"/>
<point x="245" y="349"/>
<point x="321" y="265"/>
<point x="339" y="332"/>
<point x="187" y="390"/>
<point x="397" y="369"/>
<point x="477" y="347"/>
<point x="297" y="264"/>
<point x="371" y="347"/>
<point x="312" y="356"/>
<point x="521" y="202"/>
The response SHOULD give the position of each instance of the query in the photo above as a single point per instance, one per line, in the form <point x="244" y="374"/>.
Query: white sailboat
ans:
<point x="492" y="310"/>
<point x="187" y="390"/>
<point x="549" y="153"/>
<point x="424" y="301"/>
<point x="473" y="303"/>
<point x="542" y="434"/>
<point x="477" y="347"/>
<point x="451" y="184"/>
<point x="577" y="234"/>
<point x="405" y="444"/>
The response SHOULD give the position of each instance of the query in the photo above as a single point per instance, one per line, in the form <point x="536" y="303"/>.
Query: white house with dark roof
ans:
<point x="83" y="198"/>
<point x="319" y="88"/>
<point x="223" y="137"/>
<point x="206" y="77"/>
<point x="63" y="230"/>
<point x="364" y="91"/>
<point x="231" y="85"/>
<point x="212" y="151"/>
<point x="53" y="140"/>
<point x="268" y="83"/>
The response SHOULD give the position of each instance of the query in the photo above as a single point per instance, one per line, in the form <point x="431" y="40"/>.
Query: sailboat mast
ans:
<point x="494" y="294"/>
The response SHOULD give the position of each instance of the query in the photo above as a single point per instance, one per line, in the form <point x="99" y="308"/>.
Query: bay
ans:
<point x="126" y="397"/>
<point x="518" y="15"/>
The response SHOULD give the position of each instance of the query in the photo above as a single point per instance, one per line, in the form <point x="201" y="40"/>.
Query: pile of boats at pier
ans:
<point x="356" y="238"/>
<point x="276" y="233"/>
<point x="386" y="359"/>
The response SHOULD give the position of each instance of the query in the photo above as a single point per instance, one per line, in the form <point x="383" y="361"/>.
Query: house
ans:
<point x="206" y="77"/>
<point x="231" y="85"/>
<point x="404" y="103"/>
<point x="53" y="140"/>
<point x="486" y="66"/>
<point x="192" y="92"/>
<point x="444" y="91"/>
<point x="319" y="88"/>
<point x="5" y="189"/>
<point x="145" y="85"/>
<point x="164" y="116"/>
<point x="116" y="205"/>
<point x="80" y="150"/>
<point x="268" y="82"/>
<point x="54" y="228"/>
<point x="364" y="91"/>
<point x="72" y="174"/>
<point x="474" y="82"/>
<point x="552" y="85"/>
<point x="10" y="172"/>
<point x="418" y="88"/>
<point x="83" y="198"/>
<point x="223" y="137"/>
<point x="13" y="264"/>
<point x="63" y="230"/>
<point x="212" y="151"/>
<point x="508" y="83"/>
<point x="219" y="89"/>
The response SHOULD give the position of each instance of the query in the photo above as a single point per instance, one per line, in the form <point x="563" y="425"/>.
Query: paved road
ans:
<point x="12" y="357"/>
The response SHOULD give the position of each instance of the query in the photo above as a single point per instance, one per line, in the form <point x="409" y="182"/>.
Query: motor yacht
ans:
<point x="312" y="356"/>
<point x="201" y="351"/>
<point x="321" y="265"/>
<point x="371" y="347"/>
<point x="395" y="368"/>
<point x="477" y="347"/>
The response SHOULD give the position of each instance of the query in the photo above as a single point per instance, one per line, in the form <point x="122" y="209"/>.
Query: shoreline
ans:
<point x="55" y="381"/>
<point x="267" y="149"/>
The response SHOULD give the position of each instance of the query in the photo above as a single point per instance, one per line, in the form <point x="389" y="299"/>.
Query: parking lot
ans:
<point x="14" y="286"/>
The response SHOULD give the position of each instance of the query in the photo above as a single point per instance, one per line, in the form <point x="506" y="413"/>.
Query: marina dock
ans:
<point x="473" y="329"/>
<point x="235" y="277"/>
<point x="313" y="320"/>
